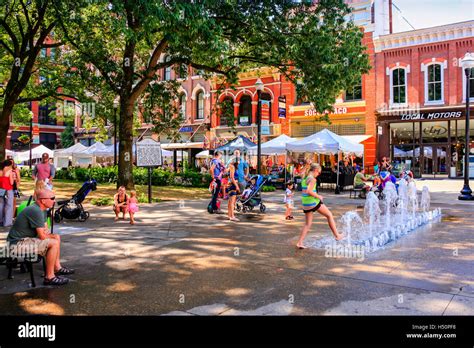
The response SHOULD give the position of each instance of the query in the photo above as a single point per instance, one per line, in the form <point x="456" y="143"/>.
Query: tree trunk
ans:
<point x="4" y="126"/>
<point x="125" y="163"/>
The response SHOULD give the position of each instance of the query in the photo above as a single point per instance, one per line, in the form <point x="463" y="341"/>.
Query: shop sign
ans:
<point x="265" y="128"/>
<point x="265" y="109"/>
<point x="435" y="130"/>
<point x="430" y="116"/>
<point x="186" y="129"/>
<point x="282" y="107"/>
<point x="337" y="111"/>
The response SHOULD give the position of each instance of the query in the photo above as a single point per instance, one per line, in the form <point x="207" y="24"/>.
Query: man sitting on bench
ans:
<point x="30" y="233"/>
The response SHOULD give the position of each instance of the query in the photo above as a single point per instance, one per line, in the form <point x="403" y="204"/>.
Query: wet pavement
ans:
<point x="179" y="260"/>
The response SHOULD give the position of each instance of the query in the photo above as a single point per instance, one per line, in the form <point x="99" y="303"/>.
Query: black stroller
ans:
<point x="72" y="208"/>
<point x="245" y="204"/>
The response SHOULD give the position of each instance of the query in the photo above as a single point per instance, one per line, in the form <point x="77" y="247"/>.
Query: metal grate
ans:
<point x="340" y="129"/>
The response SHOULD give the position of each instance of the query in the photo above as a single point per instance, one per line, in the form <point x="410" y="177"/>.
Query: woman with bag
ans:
<point x="6" y="193"/>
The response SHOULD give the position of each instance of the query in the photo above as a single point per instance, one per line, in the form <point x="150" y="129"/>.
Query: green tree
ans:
<point x="124" y="43"/>
<point x="67" y="137"/>
<point x="26" y="74"/>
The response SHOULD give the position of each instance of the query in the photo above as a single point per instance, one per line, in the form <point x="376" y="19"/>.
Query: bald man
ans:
<point x="30" y="235"/>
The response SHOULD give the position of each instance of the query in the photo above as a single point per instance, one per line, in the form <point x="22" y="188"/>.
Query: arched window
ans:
<point x="245" y="110"/>
<point x="434" y="83"/>
<point x="200" y="105"/>
<point x="226" y="111"/>
<point x="182" y="106"/>
<point x="167" y="70"/>
<point x="398" y="86"/>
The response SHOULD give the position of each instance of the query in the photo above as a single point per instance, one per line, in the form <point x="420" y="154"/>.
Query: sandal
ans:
<point x="56" y="281"/>
<point x="64" y="271"/>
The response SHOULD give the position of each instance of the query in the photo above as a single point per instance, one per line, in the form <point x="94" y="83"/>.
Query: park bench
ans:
<point x="24" y="261"/>
<point x="355" y="192"/>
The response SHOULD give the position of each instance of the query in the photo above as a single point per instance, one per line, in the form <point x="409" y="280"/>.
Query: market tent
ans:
<point x="427" y="152"/>
<point x="240" y="143"/>
<point x="98" y="149"/>
<point x="325" y="142"/>
<point x="275" y="146"/>
<point x="399" y="152"/>
<point x="37" y="152"/>
<point x="76" y="148"/>
<point x="203" y="154"/>
<point x="62" y="156"/>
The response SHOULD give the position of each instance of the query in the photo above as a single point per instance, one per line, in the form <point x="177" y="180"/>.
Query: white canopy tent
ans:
<point x="90" y="154"/>
<point x="63" y="156"/>
<point x="275" y="146"/>
<point x="36" y="153"/>
<point x="326" y="142"/>
<point x="203" y="154"/>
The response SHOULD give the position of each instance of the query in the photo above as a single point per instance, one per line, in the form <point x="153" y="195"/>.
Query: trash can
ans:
<point x="452" y="172"/>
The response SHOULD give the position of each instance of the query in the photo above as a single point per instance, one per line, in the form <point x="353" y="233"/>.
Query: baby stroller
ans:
<point x="247" y="203"/>
<point x="72" y="208"/>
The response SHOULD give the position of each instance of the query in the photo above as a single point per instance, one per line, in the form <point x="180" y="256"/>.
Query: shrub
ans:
<point x="268" y="188"/>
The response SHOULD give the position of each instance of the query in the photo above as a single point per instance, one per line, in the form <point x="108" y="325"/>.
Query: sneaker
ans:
<point x="234" y="219"/>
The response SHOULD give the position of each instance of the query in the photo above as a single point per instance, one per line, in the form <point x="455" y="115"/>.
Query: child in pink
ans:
<point x="132" y="206"/>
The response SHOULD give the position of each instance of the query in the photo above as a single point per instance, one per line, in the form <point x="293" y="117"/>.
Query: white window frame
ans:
<point x="182" y="106"/>
<point x="406" y="69"/>
<point x="424" y="68"/>
<point x="471" y="99"/>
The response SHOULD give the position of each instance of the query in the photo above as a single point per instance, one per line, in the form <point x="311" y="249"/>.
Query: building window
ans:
<point x="471" y="85"/>
<point x="181" y="71"/>
<point x="52" y="53"/>
<point x="43" y="53"/>
<point x="167" y="70"/>
<point x="398" y="82"/>
<point x="46" y="115"/>
<point x="245" y="110"/>
<point x="200" y="105"/>
<point x="434" y="83"/>
<point x="354" y="93"/>
<point x="182" y="106"/>
<point x="226" y="112"/>
<point x="49" y="140"/>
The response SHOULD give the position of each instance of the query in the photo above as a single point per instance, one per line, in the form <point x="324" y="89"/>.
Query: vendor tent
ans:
<point x="325" y="142"/>
<point x="203" y="154"/>
<point x="240" y="143"/>
<point x="37" y="152"/>
<point x="276" y="146"/>
<point x="63" y="156"/>
<point x="98" y="149"/>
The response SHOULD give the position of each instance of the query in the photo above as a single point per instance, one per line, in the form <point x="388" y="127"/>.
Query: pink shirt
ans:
<point x="44" y="171"/>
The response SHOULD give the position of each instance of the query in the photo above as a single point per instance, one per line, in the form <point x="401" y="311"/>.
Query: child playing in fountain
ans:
<point x="289" y="202"/>
<point x="132" y="206"/>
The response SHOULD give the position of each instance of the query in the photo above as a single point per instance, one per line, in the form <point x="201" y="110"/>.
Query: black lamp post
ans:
<point x="259" y="88"/>
<point x="467" y="64"/>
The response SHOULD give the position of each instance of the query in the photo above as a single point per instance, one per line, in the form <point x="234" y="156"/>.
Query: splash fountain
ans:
<point x="384" y="220"/>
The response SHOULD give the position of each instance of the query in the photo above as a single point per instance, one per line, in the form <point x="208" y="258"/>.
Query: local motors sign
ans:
<point x="148" y="153"/>
<point x="430" y="116"/>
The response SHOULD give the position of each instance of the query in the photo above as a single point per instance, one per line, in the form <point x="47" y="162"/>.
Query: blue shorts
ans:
<point x="232" y="190"/>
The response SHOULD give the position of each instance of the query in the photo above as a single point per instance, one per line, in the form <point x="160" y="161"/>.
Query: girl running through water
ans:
<point x="312" y="202"/>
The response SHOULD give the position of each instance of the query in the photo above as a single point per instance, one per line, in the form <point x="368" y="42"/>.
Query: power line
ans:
<point x="403" y="17"/>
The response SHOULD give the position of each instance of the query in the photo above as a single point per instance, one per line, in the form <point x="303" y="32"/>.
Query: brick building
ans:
<point x="420" y="97"/>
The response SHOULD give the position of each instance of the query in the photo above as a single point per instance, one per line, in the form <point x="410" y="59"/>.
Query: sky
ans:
<point x="429" y="13"/>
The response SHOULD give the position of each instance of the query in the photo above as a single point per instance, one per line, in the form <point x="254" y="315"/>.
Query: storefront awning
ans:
<point x="357" y="139"/>
<point x="182" y="146"/>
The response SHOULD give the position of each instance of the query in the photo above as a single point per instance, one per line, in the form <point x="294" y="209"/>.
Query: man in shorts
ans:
<point x="29" y="235"/>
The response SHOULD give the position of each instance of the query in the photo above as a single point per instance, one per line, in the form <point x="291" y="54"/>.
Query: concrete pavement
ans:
<point x="179" y="260"/>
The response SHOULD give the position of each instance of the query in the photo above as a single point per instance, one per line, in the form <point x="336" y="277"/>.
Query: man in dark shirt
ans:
<point x="30" y="235"/>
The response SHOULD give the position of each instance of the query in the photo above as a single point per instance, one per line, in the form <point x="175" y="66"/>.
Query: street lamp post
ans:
<point x="467" y="64"/>
<point x="259" y="88"/>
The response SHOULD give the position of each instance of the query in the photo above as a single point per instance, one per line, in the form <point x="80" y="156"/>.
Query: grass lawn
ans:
<point x="65" y="189"/>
